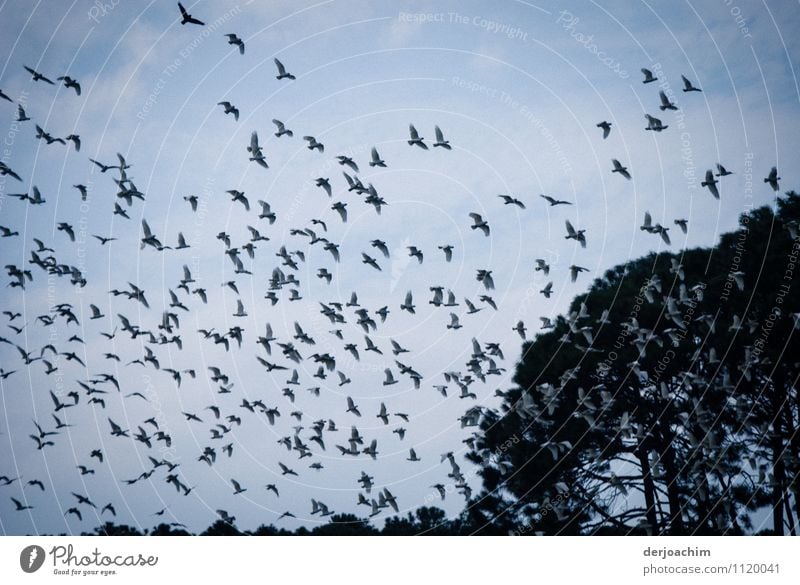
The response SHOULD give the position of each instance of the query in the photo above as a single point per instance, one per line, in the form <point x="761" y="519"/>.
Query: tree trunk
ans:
<point x="649" y="492"/>
<point x="673" y="495"/>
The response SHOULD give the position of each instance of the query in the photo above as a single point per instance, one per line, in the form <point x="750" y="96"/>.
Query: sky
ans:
<point x="516" y="87"/>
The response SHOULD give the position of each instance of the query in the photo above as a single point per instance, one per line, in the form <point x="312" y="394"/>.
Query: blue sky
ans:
<point x="517" y="87"/>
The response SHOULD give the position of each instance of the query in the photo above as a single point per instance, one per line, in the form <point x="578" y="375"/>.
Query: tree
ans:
<point x="665" y="401"/>
<point x="428" y="521"/>
<point x="222" y="528"/>
<point x="111" y="529"/>
<point x="345" y="525"/>
<point x="167" y="530"/>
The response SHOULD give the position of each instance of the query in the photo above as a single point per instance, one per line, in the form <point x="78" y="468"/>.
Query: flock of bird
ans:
<point x="279" y="356"/>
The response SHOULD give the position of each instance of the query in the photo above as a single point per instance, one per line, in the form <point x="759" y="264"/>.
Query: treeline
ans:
<point x="425" y="521"/>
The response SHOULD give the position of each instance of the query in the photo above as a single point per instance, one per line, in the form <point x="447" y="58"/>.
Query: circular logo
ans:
<point x="31" y="558"/>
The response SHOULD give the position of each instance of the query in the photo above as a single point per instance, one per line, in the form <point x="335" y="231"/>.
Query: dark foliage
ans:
<point x="674" y="412"/>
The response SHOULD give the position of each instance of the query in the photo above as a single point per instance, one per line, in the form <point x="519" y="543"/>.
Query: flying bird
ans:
<point x="722" y="171"/>
<point x="773" y="178"/>
<point x="711" y="183"/>
<point x="229" y="108"/>
<point x="553" y="202"/>
<point x="255" y="151"/>
<point x="573" y="234"/>
<point x="440" y="141"/>
<point x="509" y="200"/>
<point x="187" y="18"/>
<point x="282" y="73"/>
<point x="479" y="223"/>
<point x="71" y="83"/>
<point x="618" y="168"/>
<point x="687" y="85"/>
<point x="376" y="161"/>
<point x="654" y="124"/>
<point x="36" y="76"/>
<point x="648" y="76"/>
<point x="235" y="40"/>
<point x="666" y="104"/>
<point x="282" y="129"/>
<point x="415" y="139"/>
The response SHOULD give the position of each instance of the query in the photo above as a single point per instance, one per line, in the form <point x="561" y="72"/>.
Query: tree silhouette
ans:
<point x="111" y="529"/>
<point x="665" y="402"/>
<point x="167" y="530"/>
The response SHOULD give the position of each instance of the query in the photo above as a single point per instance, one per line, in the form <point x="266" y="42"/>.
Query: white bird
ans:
<point x="648" y="76"/>
<point x="606" y="126"/>
<point x="479" y="223"/>
<point x="711" y="183"/>
<point x="575" y="270"/>
<point x="618" y="168"/>
<point x="235" y="40"/>
<point x="376" y="161"/>
<point x="647" y="226"/>
<point x="282" y="130"/>
<point x="665" y="103"/>
<point x="440" y="141"/>
<point x="408" y="303"/>
<point x="573" y="234"/>
<point x="654" y="124"/>
<point x="351" y="407"/>
<point x="415" y="138"/>
<point x="255" y="151"/>
<point x="722" y="171"/>
<point x="282" y="74"/>
<point x="687" y="85"/>
<point x="313" y="144"/>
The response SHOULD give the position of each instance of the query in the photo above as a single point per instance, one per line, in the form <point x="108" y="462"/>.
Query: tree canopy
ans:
<point x="665" y="402"/>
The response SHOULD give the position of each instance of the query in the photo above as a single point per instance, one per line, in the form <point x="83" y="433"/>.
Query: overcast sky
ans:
<point x="517" y="88"/>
